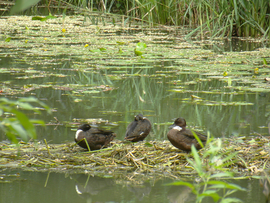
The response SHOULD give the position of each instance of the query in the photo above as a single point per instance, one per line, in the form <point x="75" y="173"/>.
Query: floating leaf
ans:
<point x="148" y="144"/>
<point x="8" y="39"/>
<point x="43" y="18"/>
<point x="39" y="18"/>
<point x="141" y="46"/>
<point x="138" y="53"/>
<point x="120" y="43"/>
<point x="102" y="49"/>
<point x="120" y="50"/>
<point x="264" y="61"/>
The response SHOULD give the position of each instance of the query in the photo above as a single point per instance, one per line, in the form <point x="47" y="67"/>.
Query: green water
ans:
<point x="57" y="187"/>
<point x="158" y="92"/>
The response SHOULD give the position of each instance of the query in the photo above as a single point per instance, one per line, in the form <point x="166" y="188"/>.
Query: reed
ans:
<point x="207" y="18"/>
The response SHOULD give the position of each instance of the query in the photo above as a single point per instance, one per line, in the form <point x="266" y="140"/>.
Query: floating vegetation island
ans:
<point x="155" y="158"/>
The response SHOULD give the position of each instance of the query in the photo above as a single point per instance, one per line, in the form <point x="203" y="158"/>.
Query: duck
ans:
<point x="138" y="129"/>
<point x="183" y="138"/>
<point x="96" y="138"/>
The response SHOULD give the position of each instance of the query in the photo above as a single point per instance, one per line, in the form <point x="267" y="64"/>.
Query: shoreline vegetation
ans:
<point x="240" y="155"/>
<point x="207" y="19"/>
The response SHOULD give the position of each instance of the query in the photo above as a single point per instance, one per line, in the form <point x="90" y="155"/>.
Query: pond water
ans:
<point x="107" y="88"/>
<point x="58" y="187"/>
<point x="111" y="93"/>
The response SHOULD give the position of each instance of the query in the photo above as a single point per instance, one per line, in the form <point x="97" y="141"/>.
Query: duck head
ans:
<point x="139" y="117"/>
<point x="181" y="122"/>
<point x="82" y="128"/>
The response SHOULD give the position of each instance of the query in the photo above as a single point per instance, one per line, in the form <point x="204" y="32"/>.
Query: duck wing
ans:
<point x="137" y="131"/>
<point x="189" y="134"/>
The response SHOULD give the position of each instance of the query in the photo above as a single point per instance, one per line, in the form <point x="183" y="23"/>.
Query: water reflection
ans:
<point x="265" y="184"/>
<point x="236" y="45"/>
<point x="139" y="191"/>
<point x="150" y="96"/>
<point x="180" y="194"/>
<point x="92" y="188"/>
<point x="30" y="187"/>
<point x="157" y="89"/>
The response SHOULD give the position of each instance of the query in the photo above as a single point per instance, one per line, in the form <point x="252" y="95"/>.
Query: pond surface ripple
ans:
<point x="104" y="86"/>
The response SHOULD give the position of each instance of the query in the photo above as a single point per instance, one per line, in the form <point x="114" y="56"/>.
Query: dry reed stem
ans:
<point x="157" y="158"/>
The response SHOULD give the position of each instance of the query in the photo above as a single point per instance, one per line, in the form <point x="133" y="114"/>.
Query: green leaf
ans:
<point x="139" y="50"/>
<point x="39" y="18"/>
<point x="221" y="184"/>
<point x="211" y="193"/>
<point x="8" y="39"/>
<point x="191" y="186"/>
<point x="264" y="61"/>
<point x="95" y="50"/>
<point x="40" y="122"/>
<point x="43" y="18"/>
<point x="120" y="51"/>
<point x="197" y="138"/>
<point x="231" y="200"/>
<point x="21" y="5"/>
<point x="141" y="46"/>
<point x="102" y="49"/>
<point x="120" y="43"/>
<point x="50" y="16"/>
<point x="137" y="53"/>
<point x="25" y="122"/>
<point x="198" y="165"/>
<point x="148" y="144"/>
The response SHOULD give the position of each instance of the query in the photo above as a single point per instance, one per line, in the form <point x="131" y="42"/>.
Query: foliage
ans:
<point x="211" y="166"/>
<point x="245" y="18"/>
<point x="140" y="48"/>
<point x="16" y="123"/>
<point x="22" y="5"/>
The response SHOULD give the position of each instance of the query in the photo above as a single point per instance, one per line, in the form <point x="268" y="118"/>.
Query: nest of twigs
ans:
<point x="154" y="157"/>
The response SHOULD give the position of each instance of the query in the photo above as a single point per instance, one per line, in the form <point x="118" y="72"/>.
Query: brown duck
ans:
<point x="183" y="138"/>
<point x="138" y="129"/>
<point x="95" y="138"/>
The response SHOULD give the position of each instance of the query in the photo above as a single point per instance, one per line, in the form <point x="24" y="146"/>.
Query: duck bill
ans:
<point x="172" y="126"/>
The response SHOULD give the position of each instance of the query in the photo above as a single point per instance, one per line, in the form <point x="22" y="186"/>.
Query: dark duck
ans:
<point x="183" y="138"/>
<point x="138" y="129"/>
<point x="96" y="138"/>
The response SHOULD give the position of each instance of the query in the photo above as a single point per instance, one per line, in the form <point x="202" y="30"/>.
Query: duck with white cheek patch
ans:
<point x="96" y="138"/>
<point x="182" y="138"/>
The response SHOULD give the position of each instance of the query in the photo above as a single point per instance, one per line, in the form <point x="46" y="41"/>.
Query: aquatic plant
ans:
<point x="245" y="18"/>
<point x="212" y="169"/>
<point x="14" y="123"/>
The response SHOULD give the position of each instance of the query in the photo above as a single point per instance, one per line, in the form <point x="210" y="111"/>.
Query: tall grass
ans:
<point x="208" y="18"/>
